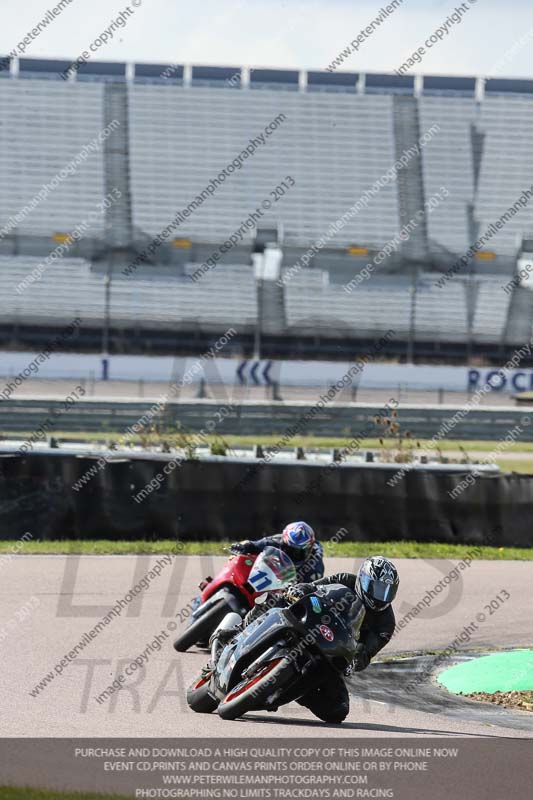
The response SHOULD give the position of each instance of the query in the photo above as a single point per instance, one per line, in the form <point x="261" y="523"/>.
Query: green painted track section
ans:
<point x="499" y="672"/>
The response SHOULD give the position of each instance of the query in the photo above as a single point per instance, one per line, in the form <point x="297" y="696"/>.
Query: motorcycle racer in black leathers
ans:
<point x="375" y="584"/>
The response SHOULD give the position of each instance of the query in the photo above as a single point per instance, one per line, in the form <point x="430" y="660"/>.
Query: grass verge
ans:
<point x="340" y="549"/>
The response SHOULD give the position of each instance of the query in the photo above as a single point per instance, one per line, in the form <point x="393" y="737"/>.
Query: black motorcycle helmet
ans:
<point x="377" y="583"/>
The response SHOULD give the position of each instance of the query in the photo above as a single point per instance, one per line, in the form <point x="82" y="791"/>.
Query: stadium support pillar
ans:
<point x="410" y="184"/>
<point x="118" y="222"/>
<point x="259" y="321"/>
<point x="107" y="324"/>
<point x="412" y="317"/>
<point x="411" y="200"/>
<point x="258" y="264"/>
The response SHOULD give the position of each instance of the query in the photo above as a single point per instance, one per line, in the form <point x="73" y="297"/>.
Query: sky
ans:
<point x="493" y="37"/>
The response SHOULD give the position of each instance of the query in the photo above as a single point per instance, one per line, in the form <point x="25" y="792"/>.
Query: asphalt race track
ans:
<point x="65" y="596"/>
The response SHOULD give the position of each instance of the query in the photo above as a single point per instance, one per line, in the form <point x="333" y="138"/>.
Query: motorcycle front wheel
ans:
<point x="198" y="697"/>
<point x="203" y="627"/>
<point x="252" y="694"/>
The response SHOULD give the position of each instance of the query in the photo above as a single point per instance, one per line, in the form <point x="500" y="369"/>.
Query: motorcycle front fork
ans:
<point x="196" y="602"/>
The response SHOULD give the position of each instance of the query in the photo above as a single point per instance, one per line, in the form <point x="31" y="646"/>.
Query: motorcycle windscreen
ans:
<point x="253" y="640"/>
<point x="273" y="569"/>
<point x="378" y="590"/>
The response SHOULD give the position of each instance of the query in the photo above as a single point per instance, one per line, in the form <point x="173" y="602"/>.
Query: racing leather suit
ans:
<point x="377" y="628"/>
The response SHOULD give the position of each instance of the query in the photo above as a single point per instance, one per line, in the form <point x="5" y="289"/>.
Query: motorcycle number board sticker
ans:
<point x="327" y="633"/>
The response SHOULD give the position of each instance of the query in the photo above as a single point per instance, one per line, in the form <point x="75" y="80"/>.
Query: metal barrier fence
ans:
<point x="264" y="418"/>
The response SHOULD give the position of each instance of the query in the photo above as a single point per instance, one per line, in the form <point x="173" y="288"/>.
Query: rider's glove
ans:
<point x="243" y="547"/>
<point x="240" y="547"/>
<point x="359" y="662"/>
<point x="298" y="590"/>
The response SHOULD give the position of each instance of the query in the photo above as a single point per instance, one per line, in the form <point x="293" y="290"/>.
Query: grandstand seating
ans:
<point x="440" y="313"/>
<point x="506" y="169"/>
<point x="336" y="135"/>
<point x="447" y="161"/>
<point x="377" y="304"/>
<point x="333" y="145"/>
<point x="491" y="312"/>
<point x="69" y="289"/>
<point x="45" y="124"/>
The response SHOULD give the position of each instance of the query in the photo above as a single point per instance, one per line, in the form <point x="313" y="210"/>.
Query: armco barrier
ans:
<point x="264" y="418"/>
<point x="220" y="498"/>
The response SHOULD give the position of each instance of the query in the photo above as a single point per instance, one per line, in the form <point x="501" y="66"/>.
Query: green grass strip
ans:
<point x="341" y="549"/>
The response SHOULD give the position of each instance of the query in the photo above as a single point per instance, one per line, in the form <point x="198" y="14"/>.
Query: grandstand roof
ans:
<point x="260" y="77"/>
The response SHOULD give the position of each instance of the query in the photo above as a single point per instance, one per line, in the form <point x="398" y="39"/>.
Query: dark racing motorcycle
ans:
<point x="278" y="658"/>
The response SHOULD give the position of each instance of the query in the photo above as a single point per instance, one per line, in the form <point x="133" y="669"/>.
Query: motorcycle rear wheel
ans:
<point x="203" y="627"/>
<point x="252" y="694"/>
